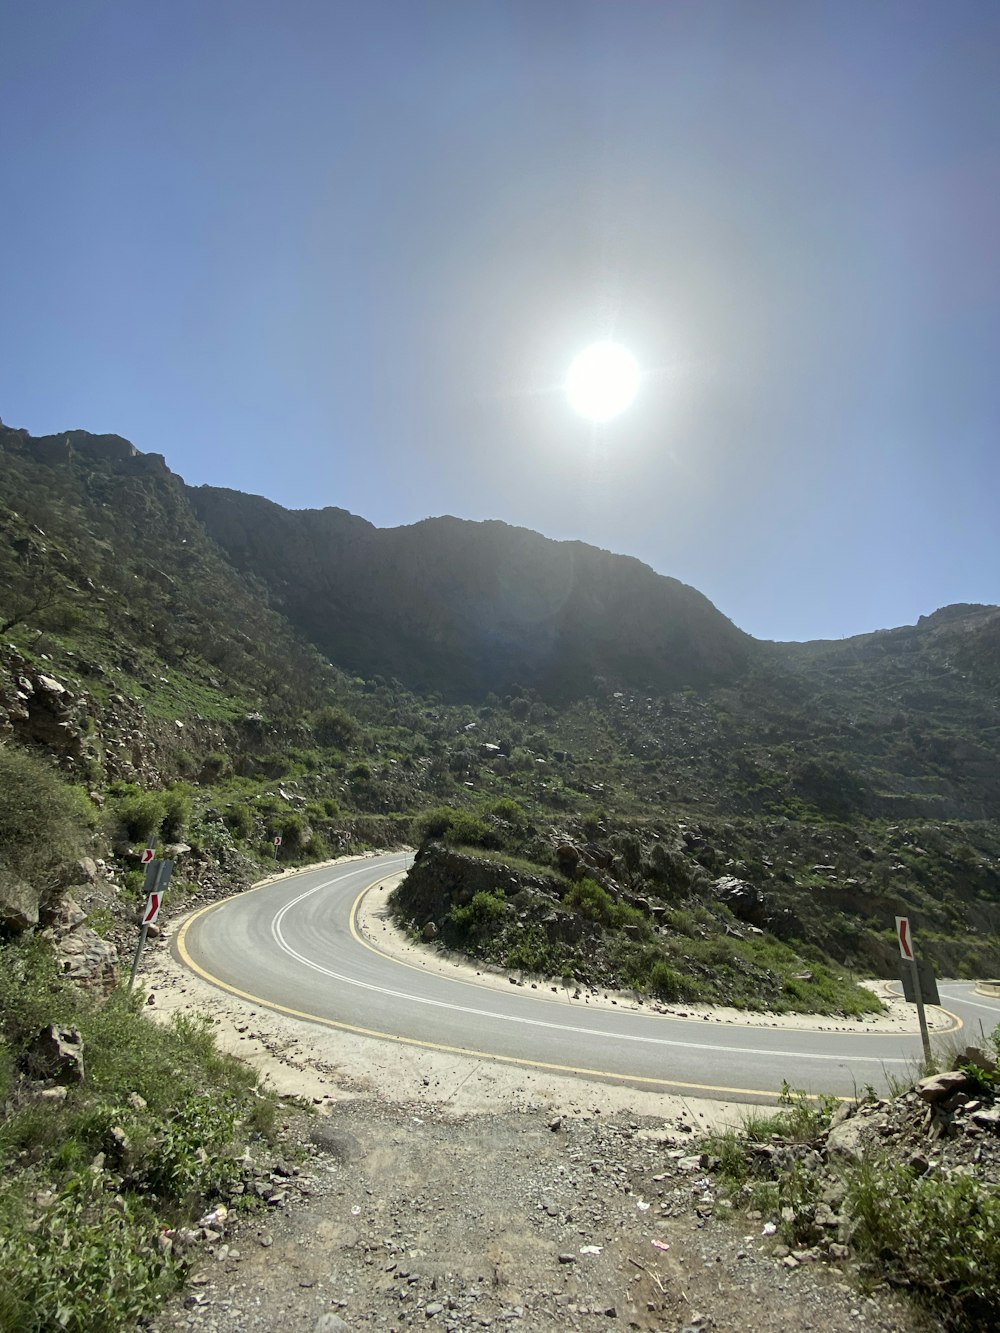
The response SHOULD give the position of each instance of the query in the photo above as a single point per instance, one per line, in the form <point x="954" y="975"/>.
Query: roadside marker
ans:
<point x="157" y="878"/>
<point x="905" y="937"/>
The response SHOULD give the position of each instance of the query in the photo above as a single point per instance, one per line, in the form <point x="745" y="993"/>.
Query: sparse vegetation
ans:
<point x="153" y="1132"/>
<point x="931" y="1231"/>
<point x="938" y="1236"/>
<point x="43" y="821"/>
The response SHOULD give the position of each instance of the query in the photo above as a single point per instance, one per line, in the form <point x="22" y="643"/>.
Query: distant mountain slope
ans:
<point x="207" y="602"/>
<point x="465" y="608"/>
<point x="916" y="708"/>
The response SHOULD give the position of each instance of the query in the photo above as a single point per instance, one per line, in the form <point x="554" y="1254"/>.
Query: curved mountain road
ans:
<point x="292" y="945"/>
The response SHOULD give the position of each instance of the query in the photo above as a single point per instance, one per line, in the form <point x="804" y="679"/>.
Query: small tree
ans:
<point x="333" y="728"/>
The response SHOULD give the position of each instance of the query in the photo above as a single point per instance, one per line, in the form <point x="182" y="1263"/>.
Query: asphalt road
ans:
<point x="292" y="946"/>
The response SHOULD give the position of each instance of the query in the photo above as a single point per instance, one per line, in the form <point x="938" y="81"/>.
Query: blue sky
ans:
<point x="343" y="254"/>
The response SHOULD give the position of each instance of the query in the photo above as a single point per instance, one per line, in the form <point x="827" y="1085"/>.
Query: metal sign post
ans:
<point x="157" y="878"/>
<point x="905" y="937"/>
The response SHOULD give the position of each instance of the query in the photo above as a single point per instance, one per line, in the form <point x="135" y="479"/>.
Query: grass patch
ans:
<point x="519" y="864"/>
<point x="939" y="1237"/>
<point x="156" y="1130"/>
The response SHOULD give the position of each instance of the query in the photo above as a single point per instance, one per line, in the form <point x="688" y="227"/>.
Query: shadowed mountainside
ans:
<point x="466" y="608"/>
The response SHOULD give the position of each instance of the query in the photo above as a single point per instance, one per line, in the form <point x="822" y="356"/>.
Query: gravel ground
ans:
<point x="399" y="1216"/>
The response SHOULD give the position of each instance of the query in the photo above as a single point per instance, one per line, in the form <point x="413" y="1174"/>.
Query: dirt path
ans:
<point x="402" y="1217"/>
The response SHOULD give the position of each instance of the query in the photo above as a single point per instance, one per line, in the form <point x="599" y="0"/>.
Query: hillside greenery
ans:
<point x="96" y="1183"/>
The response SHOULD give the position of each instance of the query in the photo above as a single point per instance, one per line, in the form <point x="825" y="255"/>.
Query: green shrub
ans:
<point x="239" y="820"/>
<point x="458" y="828"/>
<point x="467" y="830"/>
<point x="176" y="813"/>
<point x="592" y="902"/>
<point x="333" y="728"/>
<point x="101" y="921"/>
<point x="185" y="762"/>
<point x="509" y="810"/>
<point x="481" y="914"/>
<point x="138" y="813"/>
<point x="133" y="882"/>
<point x="317" y="849"/>
<point x="88" y="1263"/>
<point x="938" y="1236"/>
<point x="215" y="766"/>
<point x="292" y="830"/>
<point x="530" y="951"/>
<point x="433" y="823"/>
<point x="43" y="821"/>
<point x="666" y="983"/>
<point x="596" y="904"/>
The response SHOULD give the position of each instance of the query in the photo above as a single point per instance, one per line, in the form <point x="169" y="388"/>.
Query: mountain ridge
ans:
<point x="61" y="446"/>
<point x="475" y="606"/>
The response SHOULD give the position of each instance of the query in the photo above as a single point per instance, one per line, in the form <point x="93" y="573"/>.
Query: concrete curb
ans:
<point x="990" y="988"/>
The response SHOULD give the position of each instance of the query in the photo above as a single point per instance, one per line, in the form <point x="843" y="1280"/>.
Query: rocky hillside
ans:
<point x="464" y="608"/>
<point x="128" y="636"/>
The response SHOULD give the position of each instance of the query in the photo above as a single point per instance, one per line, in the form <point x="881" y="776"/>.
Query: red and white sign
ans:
<point x="904" y="936"/>
<point x="277" y="842"/>
<point x="152" y="908"/>
<point x="147" y="855"/>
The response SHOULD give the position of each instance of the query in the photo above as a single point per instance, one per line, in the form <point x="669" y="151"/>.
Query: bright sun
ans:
<point x="602" y="381"/>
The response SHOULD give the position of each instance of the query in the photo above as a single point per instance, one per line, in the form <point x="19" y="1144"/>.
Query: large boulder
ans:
<point x="56" y="1053"/>
<point x="749" y="904"/>
<point x="81" y="955"/>
<point x="853" y="1137"/>
<point x="746" y="902"/>
<point x="88" y="961"/>
<point x="63" y="915"/>
<point x="938" y="1087"/>
<point x="18" y="904"/>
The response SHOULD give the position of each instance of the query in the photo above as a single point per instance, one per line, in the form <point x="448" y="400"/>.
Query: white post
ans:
<point x="905" y="937"/>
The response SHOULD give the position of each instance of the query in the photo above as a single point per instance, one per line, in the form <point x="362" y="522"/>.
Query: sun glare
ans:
<point x="602" y="381"/>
